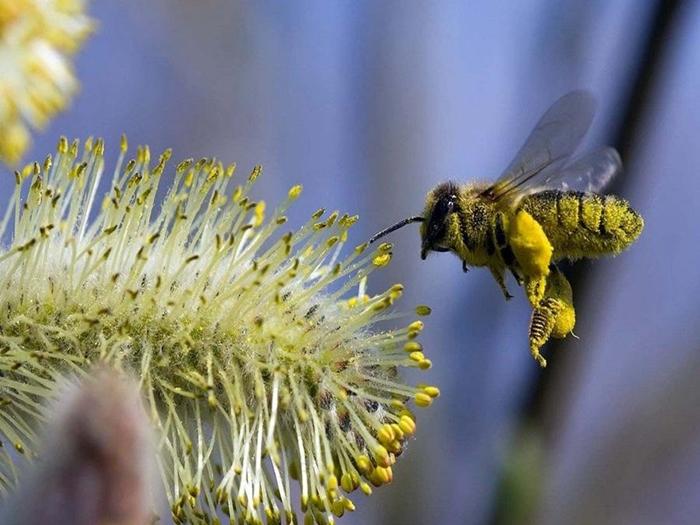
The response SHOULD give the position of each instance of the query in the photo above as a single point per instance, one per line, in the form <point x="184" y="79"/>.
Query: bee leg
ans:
<point x="535" y="290"/>
<point x="501" y="280"/>
<point x="501" y="242"/>
<point x="465" y="268"/>
<point x="553" y="315"/>
<point x="518" y="276"/>
<point x="542" y="323"/>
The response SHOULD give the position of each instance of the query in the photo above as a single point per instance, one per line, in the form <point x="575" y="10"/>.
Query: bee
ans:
<point x="544" y="208"/>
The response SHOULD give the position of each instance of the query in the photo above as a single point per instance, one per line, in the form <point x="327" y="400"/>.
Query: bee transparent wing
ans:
<point x="590" y="172"/>
<point x="548" y="148"/>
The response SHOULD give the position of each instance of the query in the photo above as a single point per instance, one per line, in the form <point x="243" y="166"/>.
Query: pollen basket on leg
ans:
<point x="254" y="344"/>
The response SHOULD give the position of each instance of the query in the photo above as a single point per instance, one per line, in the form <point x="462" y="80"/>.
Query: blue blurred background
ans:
<point x="370" y="104"/>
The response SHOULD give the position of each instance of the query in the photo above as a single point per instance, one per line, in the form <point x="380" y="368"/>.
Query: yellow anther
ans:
<point x="257" y="170"/>
<point x="62" y="145"/>
<point x="361" y="248"/>
<point x="294" y="192"/>
<point x="423" y="400"/>
<point x="332" y="483"/>
<point x="381" y="454"/>
<point x="381" y="305"/>
<point x="347" y="482"/>
<point x="385" y="247"/>
<point x="417" y="356"/>
<point x="425" y="364"/>
<point x="416" y="326"/>
<point x="413" y="346"/>
<point x="365" y="488"/>
<point x="398" y="433"/>
<point x="397" y="404"/>
<point x="394" y="448"/>
<point x="423" y="310"/>
<point x="385" y="435"/>
<point x="338" y="508"/>
<point x="364" y="464"/>
<point x="259" y="213"/>
<point x="382" y="260"/>
<point x="348" y="221"/>
<point x="432" y="391"/>
<point x="184" y="165"/>
<point x="330" y="221"/>
<point x="408" y="425"/>
<point x="381" y="476"/>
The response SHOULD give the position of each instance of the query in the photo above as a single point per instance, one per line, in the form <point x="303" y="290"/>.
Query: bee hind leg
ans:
<point x="518" y="276"/>
<point x="542" y="323"/>
<point x="465" y="268"/>
<point x="552" y="316"/>
<point x="501" y="280"/>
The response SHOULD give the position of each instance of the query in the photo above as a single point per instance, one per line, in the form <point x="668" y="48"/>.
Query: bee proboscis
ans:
<point x="544" y="208"/>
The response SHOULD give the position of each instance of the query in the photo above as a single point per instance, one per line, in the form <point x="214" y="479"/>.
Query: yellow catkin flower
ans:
<point x="256" y="367"/>
<point x="37" y="40"/>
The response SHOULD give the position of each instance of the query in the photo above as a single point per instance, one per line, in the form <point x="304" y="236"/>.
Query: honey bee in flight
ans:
<point x="544" y="208"/>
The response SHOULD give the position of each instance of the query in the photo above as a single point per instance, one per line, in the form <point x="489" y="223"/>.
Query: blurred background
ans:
<point x="369" y="105"/>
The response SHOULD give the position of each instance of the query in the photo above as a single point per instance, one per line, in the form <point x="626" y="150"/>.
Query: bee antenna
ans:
<point x="395" y="227"/>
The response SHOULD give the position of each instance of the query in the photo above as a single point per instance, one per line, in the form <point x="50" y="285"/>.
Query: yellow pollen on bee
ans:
<point x="530" y="245"/>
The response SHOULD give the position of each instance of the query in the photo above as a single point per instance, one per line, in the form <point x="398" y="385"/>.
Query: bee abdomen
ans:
<point x="584" y="224"/>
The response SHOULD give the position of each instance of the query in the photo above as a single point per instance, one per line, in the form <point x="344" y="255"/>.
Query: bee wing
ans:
<point x="590" y="172"/>
<point x="548" y="148"/>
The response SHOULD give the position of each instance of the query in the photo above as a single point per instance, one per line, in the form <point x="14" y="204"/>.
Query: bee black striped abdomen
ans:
<point x="582" y="224"/>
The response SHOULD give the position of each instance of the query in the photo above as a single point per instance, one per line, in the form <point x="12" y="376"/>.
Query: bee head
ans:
<point x="440" y="204"/>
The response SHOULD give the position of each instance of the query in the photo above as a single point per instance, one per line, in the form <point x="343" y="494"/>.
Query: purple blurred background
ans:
<point x="369" y="105"/>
